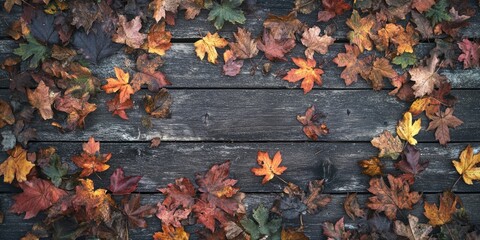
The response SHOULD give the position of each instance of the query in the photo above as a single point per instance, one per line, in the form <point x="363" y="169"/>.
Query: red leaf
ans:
<point x="121" y="185"/>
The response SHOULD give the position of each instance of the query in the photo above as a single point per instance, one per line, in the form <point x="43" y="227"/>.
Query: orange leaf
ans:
<point x="269" y="168"/>
<point x="158" y="39"/>
<point x="171" y="233"/>
<point x="16" y="165"/>
<point x="119" y="84"/>
<point x="307" y="72"/>
<point x="90" y="160"/>
<point x="371" y="167"/>
<point x="443" y="214"/>
<point x="361" y="29"/>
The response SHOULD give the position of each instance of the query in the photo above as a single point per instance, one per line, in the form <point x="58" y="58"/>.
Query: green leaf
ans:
<point x="33" y="49"/>
<point x="259" y="227"/>
<point x="55" y="170"/>
<point x="405" y="60"/>
<point x="226" y="12"/>
<point x="438" y="12"/>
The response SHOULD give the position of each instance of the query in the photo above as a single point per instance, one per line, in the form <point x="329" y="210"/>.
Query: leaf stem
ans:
<point x="455" y="183"/>
<point x="281" y="179"/>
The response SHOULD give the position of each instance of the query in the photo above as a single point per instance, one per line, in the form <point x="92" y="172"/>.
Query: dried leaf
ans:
<point x="269" y="167"/>
<point x="443" y="214"/>
<point x="231" y="67"/>
<point x="207" y="45"/>
<point x="353" y="65"/>
<point x="371" y="167"/>
<point x="128" y="32"/>
<point x="414" y="230"/>
<point x="441" y="121"/>
<point x="91" y="160"/>
<point x="158" y="106"/>
<point x="171" y="233"/>
<point x="245" y="47"/>
<point x="117" y="108"/>
<point x="352" y="208"/>
<point x="121" y="184"/>
<point x="361" y="29"/>
<point x="466" y="167"/>
<point x="470" y="54"/>
<point x="158" y="39"/>
<point x="406" y="130"/>
<point x="410" y="162"/>
<point x="337" y="231"/>
<point x="16" y="165"/>
<point x="148" y="74"/>
<point x="275" y="49"/>
<point x="136" y="212"/>
<point x="283" y="27"/>
<point x="120" y="85"/>
<point x="332" y="8"/>
<point x="42" y="99"/>
<point x="311" y="127"/>
<point x="388" y="145"/>
<point x="316" y="43"/>
<point x="307" y="72"/>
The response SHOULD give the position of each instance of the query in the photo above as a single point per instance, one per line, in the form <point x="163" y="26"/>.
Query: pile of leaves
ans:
<point x="50" y="77"/>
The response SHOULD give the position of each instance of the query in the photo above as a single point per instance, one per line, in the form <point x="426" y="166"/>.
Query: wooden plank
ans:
<point x="260" y="115"/>
<point x="160" y="166"/>
<point x="191" y="29"/>
<point x="15" y="227"/>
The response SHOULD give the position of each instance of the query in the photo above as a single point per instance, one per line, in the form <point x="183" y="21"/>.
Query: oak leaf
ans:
<point x="207" y="45"/>
<point x="16" y="165"/>
<point x="388" y="145"/>
<point x="158" y="39"/>
<point x="91" y="160"/>
<point x="118" y="108"/>
<point x="269" y="167"/>
<point x="316" y="43"/>
<point x="361" y="29"/>
<point x="136" y="212"/>
<point x="128" y="32"/>
<point x="414" y="230"/>
<point x="283" y="27"/>
<point x="158" y="106"/>
<point x="120" y="85"/>
<point x="171" y="233"/>
<point x="307" y="72"/>
<point x="371" y="167"/>
<point x="441" y="121"/>
<point x="42" y="99"/>
<point x="406" y="130"/>
<point x="332" y="8"/>
<point x="121" y="184"/>
<point x="245" y="47"/>
<point x="353" y="65"/>
<point x="148" y="74"/>
<point x="275" y="49"/>
<point x="389" y="199"/>
<point x="443" y="214"/>
<point x="311" y="127"/>
<point x="37" y="195"/>
<point x="467" y="166"/>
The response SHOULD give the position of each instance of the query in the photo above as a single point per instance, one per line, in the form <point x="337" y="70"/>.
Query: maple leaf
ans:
<point x="337" y="231"/>
<point x="389" y="146"/>
<point x="406" y="130"/>
<point x="77" y="109"/>
<point x="90" y="160"/>
<point x="405" y="60"/>
<point x="311" y="128"/>
<point x="269" y="167"/>
<point x="207" y="213"/>
<point x="381" y="68"/>
<point x="275" y="49"/>
<point x="371" y="167"/>
<point x="361" y="29"/>
<point x="423" y="25"/>
<point x="315" y="43"/>
<point x="128" y="32"/>
<point x="352" y="208"/>
<point x="95" y="203"/>
<point x="207" y="45"/>
<point x="180" y="193"/>
<point x="6" y="114"/>
<point x="158" y="39"/>
<point x="171" y="233"/>
<point x="422" y="5"/>
<point x="33" y="49"/>
<point x="315" y="199"/>
<point x="353" y="65"/>
<point x="405" y="39"/>
<point x="148" y="74"/>
<point x="332" y="8"/>
<point x="414" y="230"/>
<point x="170" y="215"/>
<point x="226" y="11"/>
<point x="260" y="227"/>
<point x="95" y="45"/>
<point x="410" y="162"/>
<point x="245" y="47"/>
<point x="389" y="199"/>
<point x="122" y="185"/>
<point x="158" y="106"/>
<point x="283" y="27"/>
<point x="37" y="195"/>
<point x="441" y="121"/>
<point x="467" y="166"/>
<point x="231" y="67"/>
<point x="470" y="54"/>
<point x="160" y="7"/>
<point x="117" y="108"/>
<point x="305" y="6"/>
<point x="16" y="165"/>
<point x="442" y="214"/>
<point x="307" y="72"/>
<point x="119" y="84"/>
<point x="55" y="170"/>
<point x="42" y="28"/>
<point x="136" y="212"/>
<point x="192" y="8"/>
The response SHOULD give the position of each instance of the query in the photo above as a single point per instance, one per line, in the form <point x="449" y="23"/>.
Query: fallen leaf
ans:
<point x="352" y="208"/>
<point x="136" y="212"/>
<point x="293" y="234"/>
<point x="171" y="233"/>
<point x="91" y="160"/>
<point x="423" y="25"/>
<point x="148" y="74"/>
<point x="161" y="7"/>
<point x="410" y="161"/>
<point x="361" y="29"/>
<point x="6" y="114"/>
<point x="414" y="230"/>
<point x="231" y="67"/>
<point x="316" y="43"/>
<point x="438" y="12"/>
<point x="76" y="108"/>
<point x="371" y="167"/>
<point x="192" y="8"/>
<point x="16" y="165"/>
<point x="381" y="68"/>
<point x="467" y="166"/>
<point x="42" y="99"/>
<point x="315" y="200"/>
<point x="128" y="32"/>
<point x="226" y="11"/>
<point x="8" y="4"/>
<point x="121" y="184"/>
<point x="117" y="108"/>
<point x="158" y="106"/>
<point x="337" y="231"/>
<point x="307" y="72"/>
<point x="443" y="214"/>
<point x="406" y="130"/>
<point x="275" y="49"/>
<point x="332" y="8"/>
<point x="158" y="39"/>
<point x="207" y="45"/>
<point x="95" y="45"/>
<point x="470" y="54"/>
<point x="283" y="27"/>
<point x="305" y="6"/>
<point x="353" y="65"/>
<point x="311" y="127"/>
<point x="207" y="213"/>
<point x="269" y="167"/>
<point x="245" y="47"/>
<point x="95" y="204"/>
<point x="388" y="145"/>
<point x="441" y="121"/>
<point x="422" y="5"/>
<point x="178" y="202"/>
<point x="155" y="142"/>
<point x="262" y="226"/>
<point x="120" y="85"/>
<point x="405" y="60"/>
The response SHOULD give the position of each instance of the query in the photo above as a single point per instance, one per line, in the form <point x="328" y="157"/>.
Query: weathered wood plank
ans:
<point x="260" y="115"/>
<point x="15" y="227"/>
<point x="160" y="166"/>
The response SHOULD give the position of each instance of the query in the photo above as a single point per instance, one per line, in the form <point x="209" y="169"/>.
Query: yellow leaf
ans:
<point x="406" y="130"/>
<point x="371" y="167"/>
<point x="171" y="233"/>
<point x="269" y="168"/>
<point x="16" y="165"/>
<point x="467" y="165"/>
<point x="207" y="45"/>
<point x="442" y="214"/>
<point x="361" y="29"/>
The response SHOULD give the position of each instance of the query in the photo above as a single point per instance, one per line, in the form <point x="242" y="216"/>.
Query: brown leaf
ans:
<point x="422" y="5"/>
<point x="332" y="8"/>
<point x="293" y="234"/>
<point x="158" y="106"/>
<point x="42" y="99"/>
<point x="337" y="231"/>
<point x="90" y="160"/>
<point x="426" y="78"/>
<point x="307" y="72"/>
<point x="136" y="212"/>
<point x="443" y="214"/>
<point x="361" y="29"/>
<point x="269" y="167"/>
<point x="388" y="145"/>
<point x="352" y="208"/>
<point x="95" y="204"/>
<point x="245" y="47"/>
<point x="316" y="200"/>
<point x="155" y="142"/>
<point x="192" y="7"/>
<point x="311" y="127"/>
<point x="120" y="85"/>
<point x="275" y="49"/>
<point x="283" y="27"/>
<point x="381" y="68"/>
<point x="353" y="66"/>
<point x="117" y="108"/>
<point x="305" y="6"/>
<point x="423" y="25"/>
<point x="414" y="230"/>
<point x="76" y="108"/>
<point x="371" y="167"/>
<point x="171" y="233"/>
<point x="6" y="114"/>
<point x="231" y="67"/>
<point x="158" y="39"/>
<point x="128" y="32"/>
<point x="148" y="74"/>
<point x="161" y="7"/>
<point x="316" y="43"/>
<point x="441" y="121"/>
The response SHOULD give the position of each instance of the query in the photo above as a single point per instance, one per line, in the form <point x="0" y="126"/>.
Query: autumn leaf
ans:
<point x="311" y="127"/>
<point x="55" y="170"/>
<point x="371" y="167"/>
<point x="226" y="11"/>
<point x="117" y="108"/>
<point x="305" y="6"/>
<point x="332" y="8"/>
<point x="91" y="160"/>
<point x="231" y="67"/>
<point x="283" y="27"/>
<point x="443" y="214"/>
<point x="275" y="49"/>
<point x="158" y="39"/>
<point x="42" y="99"/>
<point x="128" y="32"/>
<point x="16" y="165"/>
<point x="405" y="60"/>
<point x="414" y="230"/>
<point x="423" y="25"/>
<point x="437" y="13"/>
<point x="337" y="231"/>
<point x="120" y="85"/>
<point x="410" y="162"/>
<point x="8" y="4"/>
<point x="148" y="74"/>
<point x="76" y="108"/>
<point x="293" y="234"/>
<point x="352" y="208"/>
<point x="269" y="167"/>
<point x="470" y="55"/>
<point x="467" y="166"/>
<point x="315" y="43"/>
<point x="315" y="200"/>
<point x="422" y="5"/>
<point x="381" y="68"/>
<point x="136" y="212"/>
<point x="160" y="7"/>
<point x="121" y="184"/>
<point x="406" y="130"/>
<point x="38" y="52"/>
<point x="6" y="114"/>
<point x="245" y="47"/>
<point x="37" y="195"/>
<point x="262" y="225"/>
<point x="361" y="29"/>
<point x="353" y="65"/>
<point x="96" y="204"/>
<point x="389" y="199"/>
<point x="307" y="72"/>
<point x="207" y="45"/>
<point x="388" y="145"/>
<point x="207" y="214"/>
<point x="178" y="202"/>
<point x="158" y="106"/>
<point x="192" y="8"/>
<point x="171" y="233"/>
<point x="441" y="121"/>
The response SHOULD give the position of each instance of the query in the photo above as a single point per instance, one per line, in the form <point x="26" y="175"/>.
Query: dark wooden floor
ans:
<point x="216" y="118"/>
